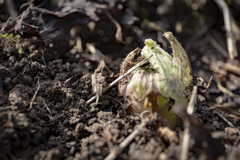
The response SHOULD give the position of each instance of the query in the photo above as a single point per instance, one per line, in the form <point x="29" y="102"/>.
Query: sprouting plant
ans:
<point x="164" y="85"/>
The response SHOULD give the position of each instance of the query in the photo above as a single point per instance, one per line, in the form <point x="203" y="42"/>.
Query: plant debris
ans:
<point x="46" y="89"/>
<point x="53" y="23"/>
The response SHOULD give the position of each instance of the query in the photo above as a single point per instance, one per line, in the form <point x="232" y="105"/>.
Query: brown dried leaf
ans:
<point x="53" y="23"/>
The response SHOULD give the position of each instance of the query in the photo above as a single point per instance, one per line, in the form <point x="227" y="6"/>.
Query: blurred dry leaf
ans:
<point x="53" y="23"/>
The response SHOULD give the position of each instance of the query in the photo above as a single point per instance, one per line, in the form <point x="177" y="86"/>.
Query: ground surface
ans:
<point x="43" y="114"/>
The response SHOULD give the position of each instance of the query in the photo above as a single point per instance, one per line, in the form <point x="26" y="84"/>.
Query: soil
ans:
<point x="45" y="86"/>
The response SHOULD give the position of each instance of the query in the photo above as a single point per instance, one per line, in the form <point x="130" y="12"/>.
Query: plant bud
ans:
<point x="164" y="85"/>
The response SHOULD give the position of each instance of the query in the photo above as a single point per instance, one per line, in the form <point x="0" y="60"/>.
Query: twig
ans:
<point x="227" y="121"/>
<point x="221" y="67"/>
<point x="125" y="143"/>
<point x="192" y="101"/>
<point x="34" y="95"/>
<point x="217" y="46"/>
<point x="209" y="82"/>
<point x="229" y="111"/>
<point x="224" y="90"/>
<point x="119" y="78"/>
<point x="47" y="107"/>
<point x="231" y="42"/>
<point x="6" y="24"/>
<point x="230" y="105"/>
<point x="214" y="66"/>
<point x="186" y="134"/>
<point x="12" y="107"/>
<point x="231" y="68"/>
<point x="118" y="34"/>
<point x="26" y="4"/>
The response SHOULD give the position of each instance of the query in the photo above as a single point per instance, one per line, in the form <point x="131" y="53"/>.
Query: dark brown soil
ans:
<point x="43" y="113"/>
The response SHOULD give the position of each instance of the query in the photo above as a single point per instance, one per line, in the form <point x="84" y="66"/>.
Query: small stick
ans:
<point x="12" y="107"/>
<point x="6" y="24"/>
<point x="215" y="67"/>
<point x="119" y="78"/>
<point x="224" y="90"/>
<point x="230" y="105"/>
<point x="217" y="46"/>
<point x="118" y="35"/>
<point x="34" y="95"/>
<point x="186" y="134"/>
<point x="47" y="106"/>
<point x="209" y="82"/>
<point x="231" y="42"/>
<point x="229" y="111"/>
<point x="227" y="121"/>
<point x="231" y="68"/>
<point x="123" y="144"/>
<point x="192" y="100"/>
